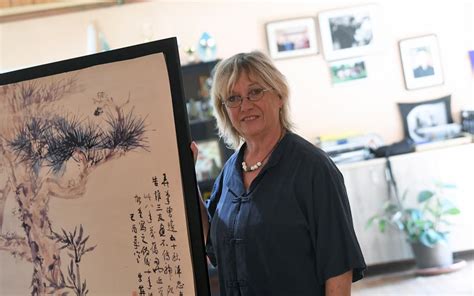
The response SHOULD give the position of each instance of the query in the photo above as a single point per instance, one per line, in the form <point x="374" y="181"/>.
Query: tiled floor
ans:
<point x="406" y="283"/>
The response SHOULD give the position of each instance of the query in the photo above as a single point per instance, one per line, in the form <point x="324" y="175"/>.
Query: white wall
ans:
<point x="317" y="106"/>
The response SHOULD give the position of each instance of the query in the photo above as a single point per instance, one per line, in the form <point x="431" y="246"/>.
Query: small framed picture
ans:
<point x="422" y="120"/>
<point x="347" y="70"/>
<point x="348" y="32"/>
<point x="292" y="38"/>
<point x="209" y="161"/>
<point x="421" y="62"/>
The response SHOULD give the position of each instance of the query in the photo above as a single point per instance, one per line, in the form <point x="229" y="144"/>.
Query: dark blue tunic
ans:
<point x="290" y="232"/>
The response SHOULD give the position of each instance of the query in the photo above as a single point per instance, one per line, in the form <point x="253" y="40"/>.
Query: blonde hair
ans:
<point x="226" y="73"/>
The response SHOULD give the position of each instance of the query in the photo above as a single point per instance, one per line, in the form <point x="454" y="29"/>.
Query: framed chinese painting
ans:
<point x="97" y="183"/>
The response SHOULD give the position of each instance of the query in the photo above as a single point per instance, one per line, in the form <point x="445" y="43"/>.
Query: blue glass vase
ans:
<point x="206" y="48"/>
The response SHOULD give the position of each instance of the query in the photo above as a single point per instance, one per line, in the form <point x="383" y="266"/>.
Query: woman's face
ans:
<point x="254" y="119"/>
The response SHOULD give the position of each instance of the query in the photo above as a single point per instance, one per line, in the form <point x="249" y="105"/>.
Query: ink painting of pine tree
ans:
<point x="48" y="154"/>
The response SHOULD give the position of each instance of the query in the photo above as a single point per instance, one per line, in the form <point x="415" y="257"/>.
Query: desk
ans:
<point x="368" y="190"/>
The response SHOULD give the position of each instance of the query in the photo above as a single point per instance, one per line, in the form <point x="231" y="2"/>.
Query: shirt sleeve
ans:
<point x="211" y="205"/>
<point x="337" y="248"/>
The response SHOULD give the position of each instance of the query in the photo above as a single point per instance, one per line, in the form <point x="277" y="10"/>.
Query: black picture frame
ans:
<point x="428" y="113"/>
<point x="169" y="49"/>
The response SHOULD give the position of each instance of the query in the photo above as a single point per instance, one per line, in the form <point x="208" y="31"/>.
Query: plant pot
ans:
<point x="437" y="256"/>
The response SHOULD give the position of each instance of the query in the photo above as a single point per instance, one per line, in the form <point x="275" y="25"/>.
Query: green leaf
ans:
<point x="425" y="241"/>
<point x="452" y="211"/>
<point x="431" y="237"/>
<point x="415" y="214"/>
<point x="391" y="208"/>
<point x="442" y="236"/>
<point x="382" y="225"/>
<point x="425" y="195"/>
<point x="370" y="222"/>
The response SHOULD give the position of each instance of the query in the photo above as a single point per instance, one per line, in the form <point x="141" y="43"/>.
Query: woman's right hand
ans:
<point x="195" y="149"/>
<point x="204" y="215"/>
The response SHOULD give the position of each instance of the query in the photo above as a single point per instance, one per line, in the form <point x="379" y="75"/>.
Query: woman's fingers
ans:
<point x="195" y="150"/>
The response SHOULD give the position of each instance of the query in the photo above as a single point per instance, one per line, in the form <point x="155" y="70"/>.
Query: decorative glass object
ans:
<point x="206" y="48"/>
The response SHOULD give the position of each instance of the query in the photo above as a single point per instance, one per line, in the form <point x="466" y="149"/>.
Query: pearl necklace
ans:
<point x="256" y="166"/>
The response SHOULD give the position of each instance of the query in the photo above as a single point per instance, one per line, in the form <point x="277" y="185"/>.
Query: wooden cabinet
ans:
<point x="368" y="191"/>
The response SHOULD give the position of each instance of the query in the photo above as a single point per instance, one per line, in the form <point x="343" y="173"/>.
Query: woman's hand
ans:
<point x="204" y="217"/>
<point x="195" y="150"/>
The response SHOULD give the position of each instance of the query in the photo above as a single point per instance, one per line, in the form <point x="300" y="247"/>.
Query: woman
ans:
<point x="280" y="222"/>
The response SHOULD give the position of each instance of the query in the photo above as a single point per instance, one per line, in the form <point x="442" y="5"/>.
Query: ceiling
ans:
<point x="13" y="10"/>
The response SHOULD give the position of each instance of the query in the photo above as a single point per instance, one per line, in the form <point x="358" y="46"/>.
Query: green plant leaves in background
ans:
<point x="420" y="224"/>
<point x="431" y="237"/>
<point x="425" y="195"/>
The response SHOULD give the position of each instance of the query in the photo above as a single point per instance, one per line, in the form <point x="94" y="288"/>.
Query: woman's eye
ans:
<point x="233" y="99"/>
<point x="255" y="92"/>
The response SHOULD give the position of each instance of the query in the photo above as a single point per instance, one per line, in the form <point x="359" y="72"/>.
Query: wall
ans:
<point x="317" y="106"/>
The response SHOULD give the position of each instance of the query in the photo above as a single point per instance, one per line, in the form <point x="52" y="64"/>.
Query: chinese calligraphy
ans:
<point x="154" y="241"/>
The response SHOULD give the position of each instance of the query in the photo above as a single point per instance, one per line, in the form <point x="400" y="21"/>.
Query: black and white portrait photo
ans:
<point x="421" y="61"/>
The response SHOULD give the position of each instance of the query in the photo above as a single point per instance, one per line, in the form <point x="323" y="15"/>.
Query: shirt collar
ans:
<point x="235" y="182"/>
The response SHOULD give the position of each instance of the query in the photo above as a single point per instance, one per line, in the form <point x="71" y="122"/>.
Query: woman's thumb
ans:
<point x="195" y="150"/>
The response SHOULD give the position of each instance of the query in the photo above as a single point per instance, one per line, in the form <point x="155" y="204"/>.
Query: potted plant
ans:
<point x="425" y="226"/>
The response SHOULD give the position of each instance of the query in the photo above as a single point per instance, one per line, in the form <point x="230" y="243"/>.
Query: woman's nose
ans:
<point x="246" y="103"/>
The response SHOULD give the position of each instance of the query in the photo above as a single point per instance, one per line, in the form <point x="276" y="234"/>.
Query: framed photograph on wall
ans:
<point x="292" y="37"/>
<point x="421" y="62"/>
<point x="348" y="70"/>
<point x="348" y="32"/>
<point x="422" y="121"/>
<point x="98" y="184"/>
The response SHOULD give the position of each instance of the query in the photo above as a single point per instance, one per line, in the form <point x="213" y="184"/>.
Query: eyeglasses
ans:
<point x="253" y="95"/>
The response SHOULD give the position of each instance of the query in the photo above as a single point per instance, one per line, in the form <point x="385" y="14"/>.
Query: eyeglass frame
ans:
<point x="247" y="97"/>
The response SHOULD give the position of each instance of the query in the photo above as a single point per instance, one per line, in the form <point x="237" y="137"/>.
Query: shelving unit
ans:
<point x="213" y="152"/>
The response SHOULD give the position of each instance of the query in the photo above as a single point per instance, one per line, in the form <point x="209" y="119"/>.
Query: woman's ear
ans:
<point x="280" y="102"/>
